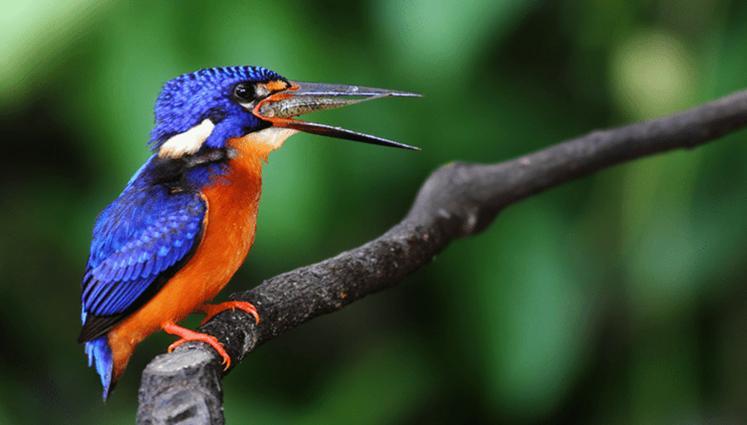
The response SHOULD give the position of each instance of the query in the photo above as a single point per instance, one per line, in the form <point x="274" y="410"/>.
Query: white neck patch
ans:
<point x="188" y="142"/>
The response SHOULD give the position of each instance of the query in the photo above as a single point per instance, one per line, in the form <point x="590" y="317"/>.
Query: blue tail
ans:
<point x="100" y="355"/>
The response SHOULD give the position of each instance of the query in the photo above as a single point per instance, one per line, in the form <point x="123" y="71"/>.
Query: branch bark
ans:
<point x="457" y="200"/>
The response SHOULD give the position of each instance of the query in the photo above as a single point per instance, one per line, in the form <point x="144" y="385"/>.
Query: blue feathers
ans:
<point x="187" y="100"/>
<point x="143" y="233"/>
<point x="100" y="356"/>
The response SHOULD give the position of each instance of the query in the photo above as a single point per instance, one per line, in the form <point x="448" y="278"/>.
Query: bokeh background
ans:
<point x="617" y="299"/>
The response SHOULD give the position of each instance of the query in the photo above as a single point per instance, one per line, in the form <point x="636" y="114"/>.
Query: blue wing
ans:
<point x="142" y="237"/>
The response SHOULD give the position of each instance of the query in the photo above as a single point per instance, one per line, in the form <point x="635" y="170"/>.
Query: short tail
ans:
<point x="100" y="355"/>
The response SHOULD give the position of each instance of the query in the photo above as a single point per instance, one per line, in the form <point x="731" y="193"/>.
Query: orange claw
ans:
<point x="188" y="335"/>
<point x="212" y="310"/>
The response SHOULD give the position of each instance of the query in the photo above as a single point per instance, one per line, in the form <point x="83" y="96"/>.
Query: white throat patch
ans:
<point x="272" y="137"/>
<point x="188" y="142"/>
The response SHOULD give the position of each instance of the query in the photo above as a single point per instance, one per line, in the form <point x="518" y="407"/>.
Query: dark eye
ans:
<point x="243" y="92"/>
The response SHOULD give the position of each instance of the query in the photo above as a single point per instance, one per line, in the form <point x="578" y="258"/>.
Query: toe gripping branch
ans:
<point x="210" y="310"/>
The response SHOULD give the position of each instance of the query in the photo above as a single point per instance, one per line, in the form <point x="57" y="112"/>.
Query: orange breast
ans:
<point x="232" y="202"/>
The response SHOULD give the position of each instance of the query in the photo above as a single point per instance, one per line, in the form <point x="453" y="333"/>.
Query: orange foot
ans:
<point x="190" y="335"/>
<point x="212" y="310"/>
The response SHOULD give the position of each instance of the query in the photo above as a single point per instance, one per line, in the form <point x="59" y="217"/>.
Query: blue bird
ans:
<point x="186" y="220"/>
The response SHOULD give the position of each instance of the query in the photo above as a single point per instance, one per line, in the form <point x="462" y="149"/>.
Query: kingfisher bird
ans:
<point x="182" y="226"/>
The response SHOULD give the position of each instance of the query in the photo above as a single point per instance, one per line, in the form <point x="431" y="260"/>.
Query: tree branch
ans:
<point x="457" y="200"/>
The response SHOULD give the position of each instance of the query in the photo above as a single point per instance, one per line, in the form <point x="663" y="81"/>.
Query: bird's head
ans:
<point x="207" y="108"/>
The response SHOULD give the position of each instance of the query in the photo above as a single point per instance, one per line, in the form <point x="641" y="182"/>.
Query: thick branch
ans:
<point x="457" y="200"/>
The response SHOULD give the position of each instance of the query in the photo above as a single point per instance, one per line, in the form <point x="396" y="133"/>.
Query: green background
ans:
<point x="616" y="299"/>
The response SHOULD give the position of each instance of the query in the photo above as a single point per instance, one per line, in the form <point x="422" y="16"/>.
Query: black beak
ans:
<point x="281" y="107"/>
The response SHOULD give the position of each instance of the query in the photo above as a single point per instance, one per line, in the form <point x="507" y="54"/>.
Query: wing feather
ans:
<point x="139" y="242"/>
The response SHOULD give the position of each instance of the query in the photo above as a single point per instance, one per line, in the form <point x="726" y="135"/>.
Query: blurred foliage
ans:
<point x="616" y="299"/>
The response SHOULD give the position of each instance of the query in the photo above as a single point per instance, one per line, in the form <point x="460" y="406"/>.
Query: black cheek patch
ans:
<point x="216" y="115"/>
<point x="261" y="125"/>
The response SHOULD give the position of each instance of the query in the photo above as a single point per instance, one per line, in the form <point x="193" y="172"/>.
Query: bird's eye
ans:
<point x="243" y="92"/>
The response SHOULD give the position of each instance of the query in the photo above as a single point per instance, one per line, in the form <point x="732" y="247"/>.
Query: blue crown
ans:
<point x="186" y="100"/>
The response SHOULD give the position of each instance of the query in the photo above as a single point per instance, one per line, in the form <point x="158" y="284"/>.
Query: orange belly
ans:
<point x="232" y="203"/>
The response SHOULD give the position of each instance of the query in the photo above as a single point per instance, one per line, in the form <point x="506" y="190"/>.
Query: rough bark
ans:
<point x="457" y="200"/>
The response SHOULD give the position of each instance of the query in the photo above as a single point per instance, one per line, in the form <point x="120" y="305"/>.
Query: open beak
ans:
<point x="281" y="107"/>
